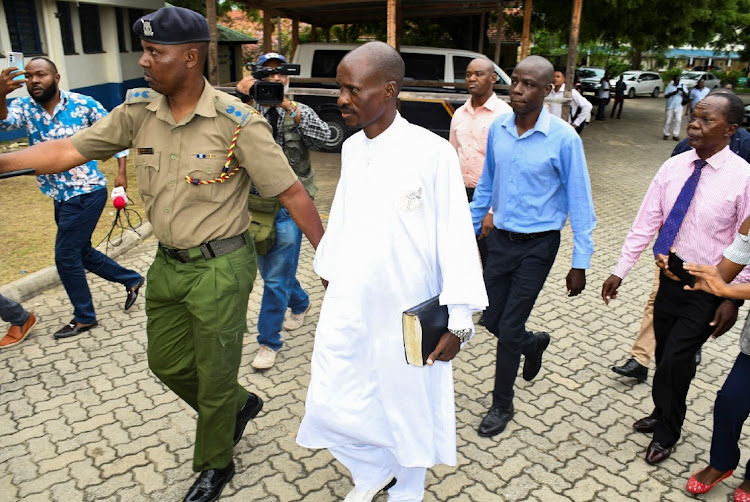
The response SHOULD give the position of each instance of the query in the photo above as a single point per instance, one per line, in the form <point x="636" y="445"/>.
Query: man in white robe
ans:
<point x="399" y="233"/>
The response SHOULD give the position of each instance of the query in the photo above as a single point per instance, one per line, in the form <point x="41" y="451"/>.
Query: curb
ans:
<point x="33" y="284"/>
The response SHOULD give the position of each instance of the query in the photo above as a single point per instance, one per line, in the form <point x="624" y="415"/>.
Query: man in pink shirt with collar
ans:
<point x="471" y="122"/>
<point x="709" y="187"/>
<point x="471" y="125"/>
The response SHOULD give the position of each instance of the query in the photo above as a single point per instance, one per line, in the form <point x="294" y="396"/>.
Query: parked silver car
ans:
<point x="640" y="82"/>
<point x="691" y="78"/>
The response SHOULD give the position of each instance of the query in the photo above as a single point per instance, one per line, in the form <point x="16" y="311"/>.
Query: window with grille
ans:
<point x="120" y="20"/>
<point x="23" y="27"/>
<point x="66" y="28"/>
<point x="135" y="15"/>
<point x="91" y="30"/>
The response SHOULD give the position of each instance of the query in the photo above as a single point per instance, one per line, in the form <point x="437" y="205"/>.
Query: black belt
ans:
<point x="518" y="237"/>
<point x="208" y="250"/>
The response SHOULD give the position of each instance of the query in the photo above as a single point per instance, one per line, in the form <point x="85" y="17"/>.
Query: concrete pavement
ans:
<point x="83" y="419"/>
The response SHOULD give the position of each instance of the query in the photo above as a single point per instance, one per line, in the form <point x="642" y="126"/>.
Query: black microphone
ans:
<point x="20" y="172"/>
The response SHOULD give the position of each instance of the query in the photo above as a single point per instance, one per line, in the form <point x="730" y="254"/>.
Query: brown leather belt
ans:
<point x="208" y="250"/>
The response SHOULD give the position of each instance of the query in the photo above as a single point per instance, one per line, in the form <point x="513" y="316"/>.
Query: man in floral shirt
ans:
<point x="79" y="194"/>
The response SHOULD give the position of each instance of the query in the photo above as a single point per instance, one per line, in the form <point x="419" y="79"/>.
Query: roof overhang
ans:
<point x="328" y="12"/>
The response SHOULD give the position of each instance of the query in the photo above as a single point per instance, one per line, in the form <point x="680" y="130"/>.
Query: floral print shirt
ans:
<point x="73" y="113"/>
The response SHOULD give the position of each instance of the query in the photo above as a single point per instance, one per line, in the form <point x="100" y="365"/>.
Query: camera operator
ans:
<point x="296" y="128"/>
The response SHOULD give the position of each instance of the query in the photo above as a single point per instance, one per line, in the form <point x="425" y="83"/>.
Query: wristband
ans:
<point x="293" y="112"/>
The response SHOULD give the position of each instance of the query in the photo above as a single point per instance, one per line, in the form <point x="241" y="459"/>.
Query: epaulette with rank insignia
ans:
<point x="141" y="95"/>
<point x="233" y="108"/>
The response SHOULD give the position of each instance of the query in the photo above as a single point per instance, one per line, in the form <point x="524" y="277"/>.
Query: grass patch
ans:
<point x="28" y="224"/>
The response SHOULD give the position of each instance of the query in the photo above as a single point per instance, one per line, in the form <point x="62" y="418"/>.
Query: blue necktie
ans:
<point x="680" y="208"/>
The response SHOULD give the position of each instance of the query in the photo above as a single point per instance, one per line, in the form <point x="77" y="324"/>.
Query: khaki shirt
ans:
<point x="164" y="152"/>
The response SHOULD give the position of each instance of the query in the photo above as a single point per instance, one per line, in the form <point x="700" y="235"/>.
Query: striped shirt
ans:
<point x="720" y="205"/>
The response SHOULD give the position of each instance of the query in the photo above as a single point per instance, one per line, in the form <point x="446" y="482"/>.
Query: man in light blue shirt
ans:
<point x="697" y="93"/>
<point x="79" y="194"/>
<point x="534" y="176"/>
<point x="674" y="94"/>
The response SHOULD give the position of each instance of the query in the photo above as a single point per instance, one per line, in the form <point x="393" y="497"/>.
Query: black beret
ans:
<point x="172" y="26"/>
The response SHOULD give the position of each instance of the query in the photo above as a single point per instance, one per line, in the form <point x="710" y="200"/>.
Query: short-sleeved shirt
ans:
<point x="73" y="113"/>
<point x="182" y="214"/>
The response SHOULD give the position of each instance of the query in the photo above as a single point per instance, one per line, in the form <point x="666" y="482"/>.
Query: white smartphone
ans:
<point x="16" y="59"/>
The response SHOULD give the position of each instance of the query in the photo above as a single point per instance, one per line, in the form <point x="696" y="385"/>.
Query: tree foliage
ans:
<point x="650" y="25"/>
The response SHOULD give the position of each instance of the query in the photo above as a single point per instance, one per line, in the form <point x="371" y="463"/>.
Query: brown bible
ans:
<point x="423" y="325"/>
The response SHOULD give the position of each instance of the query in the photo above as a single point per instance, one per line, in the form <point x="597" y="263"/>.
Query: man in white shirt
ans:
<point x="603" y="97"/>
<point x="580" y="107"/>
<point x="674" y="93"/>
<point x="399" y="233"/>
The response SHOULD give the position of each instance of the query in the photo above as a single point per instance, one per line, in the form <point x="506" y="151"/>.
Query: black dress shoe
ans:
<point x="495" y="421"/>
<point x="133" y="294"/>
<point x="251" y="409"/>
<point x="71" y="329"/>
<point x="632" y="368"/>
<point x="656" y="453"/>
<point x="645" y="425"/>
<point x="533" y="361"/>
<point x="209" y="484"/>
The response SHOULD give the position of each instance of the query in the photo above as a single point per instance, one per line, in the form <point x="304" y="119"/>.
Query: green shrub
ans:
<point x="668" y="75"/>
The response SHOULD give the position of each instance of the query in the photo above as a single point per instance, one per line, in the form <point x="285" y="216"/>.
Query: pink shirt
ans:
<point x="469" y="129"/>
<point x="720" y="205"/>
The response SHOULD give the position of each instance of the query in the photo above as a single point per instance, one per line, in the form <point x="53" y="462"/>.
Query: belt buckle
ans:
<point x="517" y="237"/>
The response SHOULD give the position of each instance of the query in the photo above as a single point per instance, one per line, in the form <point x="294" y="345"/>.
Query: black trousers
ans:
<point x="514" y="276"/>
<point x="481" y="243"/>
<point x="602" y="105"/>
<point x="731" y="409"/>
<point x="681" y="325"/>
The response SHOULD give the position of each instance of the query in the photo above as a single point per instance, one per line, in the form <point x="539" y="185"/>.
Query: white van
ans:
<point x="424" y="65"/>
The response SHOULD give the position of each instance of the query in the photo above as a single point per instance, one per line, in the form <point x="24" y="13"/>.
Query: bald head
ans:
<point x="382" y="60"/>
<point x="483" y="63"/>
<point x="540" y="66"/>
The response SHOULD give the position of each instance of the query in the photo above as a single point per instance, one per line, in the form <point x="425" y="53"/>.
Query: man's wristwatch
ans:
<point x="462" y="334"/>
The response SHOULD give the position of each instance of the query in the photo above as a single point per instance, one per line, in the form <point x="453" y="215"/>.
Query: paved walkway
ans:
<point x="84" y="419"/>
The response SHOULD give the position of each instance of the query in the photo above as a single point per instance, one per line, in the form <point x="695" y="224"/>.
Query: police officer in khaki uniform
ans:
<point x="181" y="132"/>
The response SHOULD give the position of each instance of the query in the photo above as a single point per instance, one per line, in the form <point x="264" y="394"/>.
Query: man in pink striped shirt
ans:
<point x="721" y="202"/>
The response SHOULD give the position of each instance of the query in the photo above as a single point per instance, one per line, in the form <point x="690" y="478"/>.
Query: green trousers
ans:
<point x="196" y="319"/>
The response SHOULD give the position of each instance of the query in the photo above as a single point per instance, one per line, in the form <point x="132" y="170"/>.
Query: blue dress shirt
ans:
<point x="534" y="181"/>
<point x="73" y="113"/>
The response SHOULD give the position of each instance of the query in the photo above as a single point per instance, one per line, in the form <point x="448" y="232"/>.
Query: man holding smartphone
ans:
<point x="79" y="194"/>
<point x="696" y="203"/>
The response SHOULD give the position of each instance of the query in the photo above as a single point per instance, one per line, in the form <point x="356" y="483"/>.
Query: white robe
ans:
<point x="399" y="233"/>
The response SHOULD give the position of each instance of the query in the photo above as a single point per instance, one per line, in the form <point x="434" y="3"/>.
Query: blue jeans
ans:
<point x="76" y="220"/>
<point x="281" y="290"/>
<point x="12" y="312"/>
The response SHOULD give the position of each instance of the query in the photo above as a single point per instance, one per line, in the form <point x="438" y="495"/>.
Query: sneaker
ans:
<point x="294" y="321"/>
<point x="16" y="334"/>
<point x="264" y="359"/>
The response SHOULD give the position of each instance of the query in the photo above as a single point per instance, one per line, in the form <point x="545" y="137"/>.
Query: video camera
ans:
<point x="270" y="93"/>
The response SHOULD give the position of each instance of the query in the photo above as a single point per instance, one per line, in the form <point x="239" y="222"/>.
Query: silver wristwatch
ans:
<point x="462" y="334"/>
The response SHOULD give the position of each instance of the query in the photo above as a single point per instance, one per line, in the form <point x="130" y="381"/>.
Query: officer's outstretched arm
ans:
<point x="303" y="211"/>
<point x="50" y="157"/>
